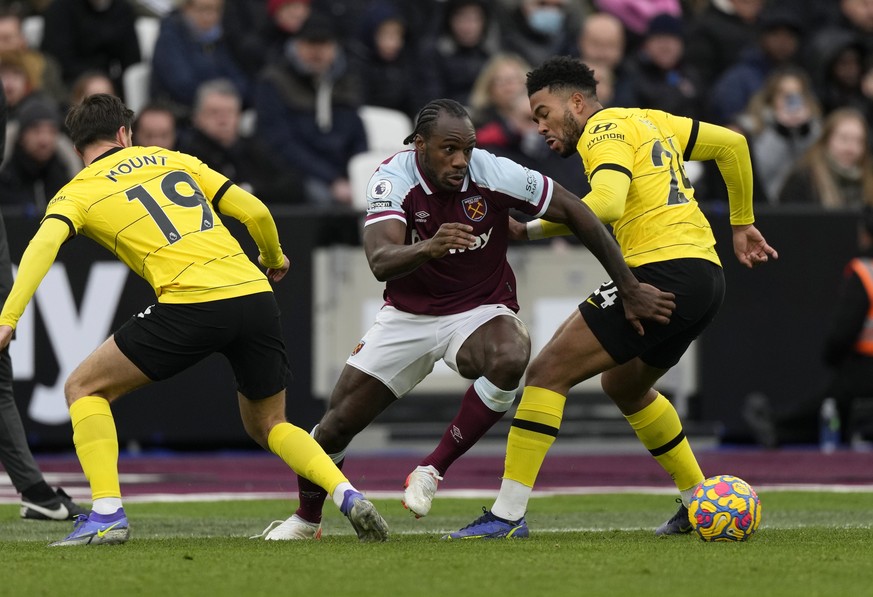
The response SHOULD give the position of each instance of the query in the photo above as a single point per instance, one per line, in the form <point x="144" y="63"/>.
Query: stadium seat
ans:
<point x="361" y="168"/>
<point x="147" y="34"/>
<point x="247" y="122"/>
<point x="136" y="85"/>
<point x="32" y="28"/>
<point x="386" y="128"/>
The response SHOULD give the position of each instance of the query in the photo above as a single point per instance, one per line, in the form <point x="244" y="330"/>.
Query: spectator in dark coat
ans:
<point x="382" y="57"/>
<point x="244" y="22"/>
<point x="215" y="138"/>
<point x="285" y="18"/>
<point x="657" y="76"/>
<point x="307" y="112"/>
<point x="853" y="16"/>
<point x="539" y="29"/>
<point x="837" y="70"/>
<point x="36" y="169"/>
<point x="191" y="49"/>
<point x="85" y="35"/>
<point x="720" y="34"/>
<point x="458" y="52"/>
<point x="780" y="32"/>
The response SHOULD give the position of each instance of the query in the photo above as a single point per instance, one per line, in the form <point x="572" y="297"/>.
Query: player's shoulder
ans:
<point x="400" y="165"/>
<point x="633" y="125"/>
<point x="172" y="157"/>
<point x="394" y="177"/>
<point x="611" y="120"/>
<point x="485" y="166"/>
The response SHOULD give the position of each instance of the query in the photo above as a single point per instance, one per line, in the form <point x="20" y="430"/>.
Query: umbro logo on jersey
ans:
<point x="421" y="216"/>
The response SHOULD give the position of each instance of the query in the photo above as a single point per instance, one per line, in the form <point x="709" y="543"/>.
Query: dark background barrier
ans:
<point x="767" y="337"/>
<point x="769" y="334"/>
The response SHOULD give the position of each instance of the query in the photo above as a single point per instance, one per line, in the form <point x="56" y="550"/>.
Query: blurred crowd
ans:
<point x="269" y="92"/>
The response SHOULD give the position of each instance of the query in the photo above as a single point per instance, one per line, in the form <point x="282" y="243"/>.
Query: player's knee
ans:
<point x="610" y="387"/>
<point x="620" y="391"/>
<point x="258" y="433"/>
<point x="73" y="389"/>
<point x="507" y="365"/>
<point x="333" y="433"/>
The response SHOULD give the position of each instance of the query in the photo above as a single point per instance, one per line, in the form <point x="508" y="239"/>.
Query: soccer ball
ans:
<point x="724" y="508"/>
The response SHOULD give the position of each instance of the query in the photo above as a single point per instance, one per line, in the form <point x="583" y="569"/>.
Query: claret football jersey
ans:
<point x="462" y="279"/>
<point x="155" y="210"/>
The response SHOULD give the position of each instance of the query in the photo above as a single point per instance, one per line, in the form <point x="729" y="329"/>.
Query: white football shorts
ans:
<point x="401" y="348"/>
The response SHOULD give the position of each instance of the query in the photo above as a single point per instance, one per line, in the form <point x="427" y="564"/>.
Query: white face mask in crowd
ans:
<point x="547" y="20"/>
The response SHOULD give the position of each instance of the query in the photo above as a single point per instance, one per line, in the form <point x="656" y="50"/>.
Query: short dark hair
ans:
<point x="562" y="72"/>
<point x="97" y="118"/>
<point x="426" y="118"/>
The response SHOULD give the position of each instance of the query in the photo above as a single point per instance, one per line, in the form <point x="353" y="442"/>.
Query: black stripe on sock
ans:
<point x="535" y="427"/>
<point x="669" y="445"/>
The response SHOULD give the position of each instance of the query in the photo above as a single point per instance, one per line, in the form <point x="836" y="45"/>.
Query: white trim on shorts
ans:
<point x="401" y="348"/>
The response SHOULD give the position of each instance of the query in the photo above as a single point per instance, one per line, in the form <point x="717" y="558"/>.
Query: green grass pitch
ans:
<point x="810" y="543"/>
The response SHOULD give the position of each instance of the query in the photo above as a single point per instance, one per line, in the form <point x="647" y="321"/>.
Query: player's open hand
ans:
<point x="451" y="235"/>
<point x="649" y="303"/>
<point x="274" y="274"/>
<point x="750" y="246"/>
<point x="5" y="336"/>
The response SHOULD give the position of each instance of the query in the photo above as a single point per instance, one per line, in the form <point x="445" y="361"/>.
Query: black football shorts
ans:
<point x="699" y="288"/>
<point x="167" y="338"/>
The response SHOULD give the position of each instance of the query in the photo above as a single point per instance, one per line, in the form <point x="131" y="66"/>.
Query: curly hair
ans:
<point x="427" y="117"/>
<point x="562" y="72"/>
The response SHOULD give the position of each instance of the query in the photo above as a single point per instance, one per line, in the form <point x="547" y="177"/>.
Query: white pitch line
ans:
<point x="9" y="496"/>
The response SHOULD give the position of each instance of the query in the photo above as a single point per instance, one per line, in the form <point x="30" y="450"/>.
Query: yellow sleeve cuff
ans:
<point x="539" y="229"/>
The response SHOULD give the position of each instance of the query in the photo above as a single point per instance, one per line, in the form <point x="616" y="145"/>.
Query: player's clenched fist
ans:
<point x="450" y="236"/>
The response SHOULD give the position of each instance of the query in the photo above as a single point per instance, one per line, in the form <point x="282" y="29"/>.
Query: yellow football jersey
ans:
<point x="153" y="209"/>
<point x="661" y="218"/>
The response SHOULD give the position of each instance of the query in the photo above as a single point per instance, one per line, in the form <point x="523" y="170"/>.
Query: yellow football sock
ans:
<point x="96" y="445"/>
<point x="305" y="457"/>
<point x="659" y="428"/>
<point x="532" y="433"/>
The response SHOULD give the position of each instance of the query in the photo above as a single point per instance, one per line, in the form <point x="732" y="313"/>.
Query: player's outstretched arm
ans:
<point x="390" y="257"/>
<point x="34" y="265"/>
<point x="751" y="247"/>
<point x="248" y="209"/>
<point x="641" y="301"/>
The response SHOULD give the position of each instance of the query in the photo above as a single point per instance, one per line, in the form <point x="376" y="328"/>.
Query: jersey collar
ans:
<point x="107" y="153"/>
